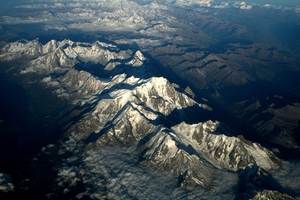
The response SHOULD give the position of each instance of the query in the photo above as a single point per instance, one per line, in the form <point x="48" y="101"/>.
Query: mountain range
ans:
<point x="96" y="95"/>
<point x="140" y="99"/>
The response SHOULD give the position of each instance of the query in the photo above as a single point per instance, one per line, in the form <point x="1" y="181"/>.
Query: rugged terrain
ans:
<point x="107" y="97"/>
<point x="149" y="100"/>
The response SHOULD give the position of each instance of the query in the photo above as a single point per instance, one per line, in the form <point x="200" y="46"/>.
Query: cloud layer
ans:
<point x="5" y="183"/>
<point x="119" y="15"/>
<point x="288" y="177"/>
<point x="114" y="173"/>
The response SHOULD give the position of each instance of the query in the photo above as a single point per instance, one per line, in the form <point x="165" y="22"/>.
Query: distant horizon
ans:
<point x="5" y="5"/>
<point x="272" y="2"/>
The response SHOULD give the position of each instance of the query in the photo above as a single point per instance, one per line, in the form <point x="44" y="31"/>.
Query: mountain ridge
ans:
<point x="147" y="113"/>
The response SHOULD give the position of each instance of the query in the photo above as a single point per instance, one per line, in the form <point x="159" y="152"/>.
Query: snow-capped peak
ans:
<point x="137" y="60"/>
<point x="50" y="46"/>
<point x="139" y="55"/>
<point x="189" y="151"/>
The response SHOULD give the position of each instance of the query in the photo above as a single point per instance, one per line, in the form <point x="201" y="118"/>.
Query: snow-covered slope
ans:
<point x="133" y="107"/>
<point x="210" y="140"/>
<point x="59" y="56"/>
<point x="192" y="151"/>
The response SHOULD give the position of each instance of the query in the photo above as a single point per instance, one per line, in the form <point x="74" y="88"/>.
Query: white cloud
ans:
<point x="222" y="5"/>
<point x="288" y="176"/>
<point x="118" y="15"/>
<point x="245" y="7"/>
<point x="46" y="79"/>
<point x="114" y="173"/>
<point x="5" y="183"/>
<point x="242" y="5"/>
<point x="204" y="3"/>
<point x="267" y="5"/>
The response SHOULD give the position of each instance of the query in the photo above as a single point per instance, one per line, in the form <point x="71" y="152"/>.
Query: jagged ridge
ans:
<point x="123" y="109"/>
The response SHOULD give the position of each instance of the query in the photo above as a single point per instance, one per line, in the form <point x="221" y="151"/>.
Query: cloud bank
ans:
<point x="5" y="183"/>
<point x="114" y="173"/>
<point x="288" y="177"/>
<point x="118" y="15"/>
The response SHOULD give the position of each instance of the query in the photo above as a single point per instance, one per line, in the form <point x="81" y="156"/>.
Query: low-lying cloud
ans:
<point x="112" y="15"/>
<point x="6" y="183"/>
<point x="115" y="173"/>
<point x="288" y="177"/>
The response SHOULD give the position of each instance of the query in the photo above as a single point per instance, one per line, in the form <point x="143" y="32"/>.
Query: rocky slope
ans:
<point x="230" y="79"/>
<point x="114" y="118"/>
<point x="164" y="126"/>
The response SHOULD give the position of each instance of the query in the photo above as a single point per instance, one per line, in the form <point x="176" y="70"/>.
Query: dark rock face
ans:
<point x="256" y="183"/>
<point x="230" y="79"/>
